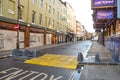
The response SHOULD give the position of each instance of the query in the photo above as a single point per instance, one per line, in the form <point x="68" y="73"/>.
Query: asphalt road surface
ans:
<point x="16" y="69"/>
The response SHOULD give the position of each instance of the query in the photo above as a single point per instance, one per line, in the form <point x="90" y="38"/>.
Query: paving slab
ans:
<point x="100" y="72"/>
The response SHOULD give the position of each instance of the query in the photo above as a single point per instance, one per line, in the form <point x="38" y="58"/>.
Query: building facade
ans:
<point x="81" y="32"/>
<point x="42" y="22"/>
<point x="71" y="23"/>
<point x="106" y="23"/>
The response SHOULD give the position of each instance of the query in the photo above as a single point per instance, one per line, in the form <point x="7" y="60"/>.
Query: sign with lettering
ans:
<point x="118" y="8"/>
<point x="103" y="3"/>
<point x="104" y="14"/>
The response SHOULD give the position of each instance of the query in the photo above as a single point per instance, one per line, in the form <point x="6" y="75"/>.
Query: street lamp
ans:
<point x="18" y="23"/>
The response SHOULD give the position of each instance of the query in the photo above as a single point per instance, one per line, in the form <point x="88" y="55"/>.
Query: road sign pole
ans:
<point x="18" y="22"/>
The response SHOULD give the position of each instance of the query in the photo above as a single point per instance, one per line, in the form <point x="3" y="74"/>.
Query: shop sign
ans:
<point x="98" y="31"/>
<point x="103" y="3"/>
<point x="105" y="14"/>
<point x="118" y="8"/>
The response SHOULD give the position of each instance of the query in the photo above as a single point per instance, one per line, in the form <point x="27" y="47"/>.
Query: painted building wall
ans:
<point x="71" y="19"/>
<point x="54" y="12"/>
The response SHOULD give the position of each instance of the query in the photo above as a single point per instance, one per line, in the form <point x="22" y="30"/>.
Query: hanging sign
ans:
<point x="105" y="14"/>
<point x="103" y="3"/>
<point x="118" y="8"/>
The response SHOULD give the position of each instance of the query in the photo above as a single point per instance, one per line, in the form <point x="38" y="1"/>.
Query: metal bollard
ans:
<point x="80" y="57"/>
<point x="116" y="57"/>
<point x="97" y="59"/>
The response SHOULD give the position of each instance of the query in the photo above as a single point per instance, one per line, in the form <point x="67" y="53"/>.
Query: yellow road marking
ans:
<point x="54" y="60"/>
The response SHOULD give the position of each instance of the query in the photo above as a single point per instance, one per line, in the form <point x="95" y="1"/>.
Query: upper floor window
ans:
<point x="53" y="11"/>
<point x="11" y="8"/>
<point x="49" y="9"/>
<point x="49" y="22"/>
<point x="41" y="3"/>
<point x="58" y="14"/>
<point x="53" y="23"/>
<point x="33" y="16"/>
<point x="40" y="19"/>
<point x="33" y="1"/>
<point x="0" y="6"/>
<point x="53" y="1"/>
<point x="46" y="6"/>
<point x="21" y="12"/>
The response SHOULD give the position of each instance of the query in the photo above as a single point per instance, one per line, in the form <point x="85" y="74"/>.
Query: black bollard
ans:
<point x="116" y="57"/>
<point x="80" y="57"/>
<point x="97" y="59"/>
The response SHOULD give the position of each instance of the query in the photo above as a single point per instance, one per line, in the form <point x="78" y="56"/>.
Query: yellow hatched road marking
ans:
<point x="54" y="60"/>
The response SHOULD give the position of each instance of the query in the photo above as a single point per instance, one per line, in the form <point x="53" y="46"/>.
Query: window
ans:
<point x="40" y="19"/>
<point x="49" y="9"/>
<point x="53" y="24"/>
<point x="41" y="3"/>
<point x="33" y="1"/>
<point x="11" y="8"/>
<point x="53" y="1"/>
<point x="45" y="20"/>
<point x="58" y="15"/>
<point x="21" y="12"/>
<point x="46" y="6"/>
<point x="57" y="25"/>
<point x="53" y="11"/>
<point x="0" y="6"/>
<point x="33" y="16"/>
<point x="49" y="22"/>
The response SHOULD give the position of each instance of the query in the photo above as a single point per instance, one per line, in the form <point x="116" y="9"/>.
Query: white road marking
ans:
<point x="32" y="72"/>
<point x="57" y="78"/>
<point x="13" y="73"/>
<point x="16" y="74"/>
<point x="41" y="74"/>
<point x="5" y="71"/>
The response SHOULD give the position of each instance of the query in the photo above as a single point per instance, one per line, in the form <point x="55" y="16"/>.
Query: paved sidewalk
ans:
<point x="104" y="54"/>
<point x="100" y="72"/>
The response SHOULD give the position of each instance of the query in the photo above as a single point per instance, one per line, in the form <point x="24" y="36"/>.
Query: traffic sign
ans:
<point x="16" y="27"/>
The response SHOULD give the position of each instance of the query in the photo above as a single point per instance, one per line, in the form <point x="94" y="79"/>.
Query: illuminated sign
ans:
<point x="103" y="3"/>
<point x="105" y="14"/>
<point x="98" y="31"/>
<point x="118" y="8"/>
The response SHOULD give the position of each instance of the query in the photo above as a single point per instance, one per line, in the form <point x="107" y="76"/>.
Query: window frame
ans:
<point x="33" y="16"/>
<point x="40" y="19"/>
<point x="41" y="3"/>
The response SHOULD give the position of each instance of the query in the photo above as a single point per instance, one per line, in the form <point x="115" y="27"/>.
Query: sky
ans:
<point x="83" y="12"/>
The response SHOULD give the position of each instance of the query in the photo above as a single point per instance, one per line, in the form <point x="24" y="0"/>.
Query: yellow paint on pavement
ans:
<point x="54" y="60"/>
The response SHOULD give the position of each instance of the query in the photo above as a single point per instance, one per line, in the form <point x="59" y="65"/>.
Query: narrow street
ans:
<point x="16" y="69"/>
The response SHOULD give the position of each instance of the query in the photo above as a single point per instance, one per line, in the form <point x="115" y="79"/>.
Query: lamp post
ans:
<point x="18" y="23"/>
